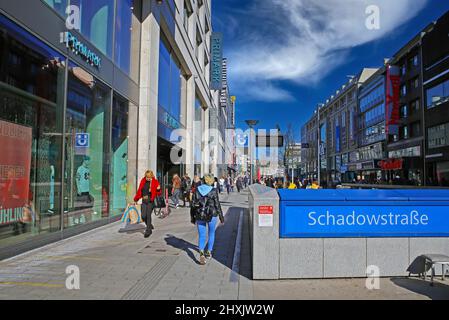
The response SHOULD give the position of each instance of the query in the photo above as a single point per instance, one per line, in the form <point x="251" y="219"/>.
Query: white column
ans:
<point x="148" y="110"/>
<point x="190" y="126"/>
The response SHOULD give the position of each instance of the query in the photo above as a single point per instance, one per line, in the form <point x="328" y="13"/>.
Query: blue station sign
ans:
<point x="364" y="213"/>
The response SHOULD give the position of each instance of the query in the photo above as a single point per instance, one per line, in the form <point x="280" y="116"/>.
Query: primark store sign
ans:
<point x="79" y="48"/>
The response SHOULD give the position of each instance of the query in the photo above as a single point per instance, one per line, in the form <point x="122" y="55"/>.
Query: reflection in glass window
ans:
<point x="127" y="33"/>
<point x="97" y="21"/>
<point x="438" y="136"/>
<point x="86" y="164"/>
<point x="438" y="94"/>
<point x="59" y="5"/>
<point x="31" y="108"/>
<point x="169" y="83"/>
<point x="120" y="156"/>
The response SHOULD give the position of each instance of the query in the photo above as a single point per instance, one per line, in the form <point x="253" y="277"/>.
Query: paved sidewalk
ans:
<point x="127" y="266"/>
<point x="165" y="266"/>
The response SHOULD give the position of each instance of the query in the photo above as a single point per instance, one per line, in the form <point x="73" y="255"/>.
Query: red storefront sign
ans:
<point x="15" y="163"/>
<point x="266" y="210"/>
<point x="393" y="93"/>
<point x="391" y="164"/>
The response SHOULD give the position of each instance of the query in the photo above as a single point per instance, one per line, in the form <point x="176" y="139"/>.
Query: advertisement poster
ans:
<point x="15" y="165"/>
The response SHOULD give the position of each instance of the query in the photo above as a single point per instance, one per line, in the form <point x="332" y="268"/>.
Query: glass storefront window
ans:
<point x="438" y="94"/>
<point x="31" y="113"/>
<point x="97" y="22"/>
<point x="87" y="156"/>
<point x="120" y="155"/>
<point x="443" y="174"/>
<point x="438" y="136"/>
<point x="127" y="37"/>
<point x="169" y="83"/>
<point x="59" y="5"/>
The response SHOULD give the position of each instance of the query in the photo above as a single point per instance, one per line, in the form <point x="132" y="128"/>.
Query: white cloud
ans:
<point x="262" y="91"/>
<point x="303" y="40"/>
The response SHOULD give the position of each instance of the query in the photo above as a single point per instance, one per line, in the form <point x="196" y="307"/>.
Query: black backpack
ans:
<point x="201" y="209"/>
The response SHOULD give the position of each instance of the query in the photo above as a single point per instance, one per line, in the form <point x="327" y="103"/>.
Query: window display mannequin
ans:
<point x="83" y="181"/>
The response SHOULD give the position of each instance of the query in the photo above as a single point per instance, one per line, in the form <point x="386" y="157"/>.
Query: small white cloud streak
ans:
<point x="303" y="40"/>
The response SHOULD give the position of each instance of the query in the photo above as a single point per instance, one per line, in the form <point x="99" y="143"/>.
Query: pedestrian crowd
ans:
<point x="202" y="194"/>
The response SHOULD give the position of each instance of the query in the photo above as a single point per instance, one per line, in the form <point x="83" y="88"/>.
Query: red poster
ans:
<point x="15" y="163"/>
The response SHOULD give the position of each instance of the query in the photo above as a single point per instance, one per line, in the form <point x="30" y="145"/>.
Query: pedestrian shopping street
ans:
<point x="116" y="266"/>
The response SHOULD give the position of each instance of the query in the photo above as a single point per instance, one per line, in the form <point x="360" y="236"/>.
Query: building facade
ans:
<point x="401" y="123"/>
<point x="404" y="163"/>
<point x="92" y="99"/>
<point x="336" y="125"/>
<point x="435" y="52"/>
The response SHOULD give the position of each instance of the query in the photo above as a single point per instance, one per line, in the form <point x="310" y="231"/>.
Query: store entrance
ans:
<point x="166" y="169"/>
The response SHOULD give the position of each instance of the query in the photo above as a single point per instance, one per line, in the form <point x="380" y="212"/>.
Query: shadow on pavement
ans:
<point x="181" y="244"/>
<point x="439" y="291"/>
<point x="225" y="240"/>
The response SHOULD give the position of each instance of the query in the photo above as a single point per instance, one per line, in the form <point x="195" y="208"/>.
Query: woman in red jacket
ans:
<point x="148" y="190"/>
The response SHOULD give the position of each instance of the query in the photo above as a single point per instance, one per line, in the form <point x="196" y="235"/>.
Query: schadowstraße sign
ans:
<point x="364" y="213"/>
<point x="216" y="65"/>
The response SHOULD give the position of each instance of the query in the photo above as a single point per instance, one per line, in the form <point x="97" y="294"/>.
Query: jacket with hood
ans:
<point x="212" y="201"/>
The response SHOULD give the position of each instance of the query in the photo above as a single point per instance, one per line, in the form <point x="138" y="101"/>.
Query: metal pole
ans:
<point x="251" y="154"/>
<point x="319" y="146"/>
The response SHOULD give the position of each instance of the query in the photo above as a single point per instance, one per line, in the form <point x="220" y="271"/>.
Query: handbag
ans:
<point x="159" y="202"/>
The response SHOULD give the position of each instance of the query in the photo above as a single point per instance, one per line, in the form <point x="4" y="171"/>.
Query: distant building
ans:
<point x="435" y="52"/>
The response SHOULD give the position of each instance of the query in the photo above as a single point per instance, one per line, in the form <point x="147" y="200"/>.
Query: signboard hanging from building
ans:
<point x="216" y="65"/>
<point x="392" y="101"/>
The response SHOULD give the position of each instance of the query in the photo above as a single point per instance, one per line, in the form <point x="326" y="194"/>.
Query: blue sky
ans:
<point x="286" y="56"/>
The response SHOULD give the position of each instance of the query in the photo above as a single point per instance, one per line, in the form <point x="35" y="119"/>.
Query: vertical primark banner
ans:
<point x="216" y="72"/>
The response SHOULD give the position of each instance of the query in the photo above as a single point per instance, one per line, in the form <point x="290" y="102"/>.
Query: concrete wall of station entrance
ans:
<point x="274" y="258"/>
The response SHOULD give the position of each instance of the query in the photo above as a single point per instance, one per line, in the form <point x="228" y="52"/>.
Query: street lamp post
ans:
<point x="251" y="124"/>
<point x="319" y="144"/>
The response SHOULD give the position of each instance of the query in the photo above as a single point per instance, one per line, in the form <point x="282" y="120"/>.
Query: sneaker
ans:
<point x="202" y="258"/>
<point x="208" y="255"/>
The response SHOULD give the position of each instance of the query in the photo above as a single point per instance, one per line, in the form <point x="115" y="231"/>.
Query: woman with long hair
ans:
<point x="177" y="190"/>
<point x="206" y="213"/>
<point x="149" y="189"/>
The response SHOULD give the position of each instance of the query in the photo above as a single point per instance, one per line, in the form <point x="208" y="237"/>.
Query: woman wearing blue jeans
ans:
<point x="206" y="213"/>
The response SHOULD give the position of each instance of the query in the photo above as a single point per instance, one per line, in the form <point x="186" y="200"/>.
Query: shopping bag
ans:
<point x="132" y="215"/>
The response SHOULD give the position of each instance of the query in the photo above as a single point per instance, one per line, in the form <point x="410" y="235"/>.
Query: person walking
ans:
<point x="222" y="184"/>
<point x="239" y="184"/>
<point x="149" y="189"/>
<point x="228" y="184"/>
<point x="205" y="214"/>
<point x="186" y="186"/>
<point x="176" y="190"/>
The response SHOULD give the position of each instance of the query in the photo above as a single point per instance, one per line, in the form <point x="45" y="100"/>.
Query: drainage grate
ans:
<point x="145" y="286"/>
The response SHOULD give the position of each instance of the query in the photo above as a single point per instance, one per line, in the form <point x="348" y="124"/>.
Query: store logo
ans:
<point x="81" y="49"/>
<point x="82" y="140"/>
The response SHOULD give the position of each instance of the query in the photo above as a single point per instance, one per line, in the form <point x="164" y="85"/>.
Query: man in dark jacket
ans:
<point x="206" y="213"/>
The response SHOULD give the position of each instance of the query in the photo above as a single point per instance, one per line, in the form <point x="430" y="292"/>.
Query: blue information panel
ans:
<point x="350" y="216"/>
